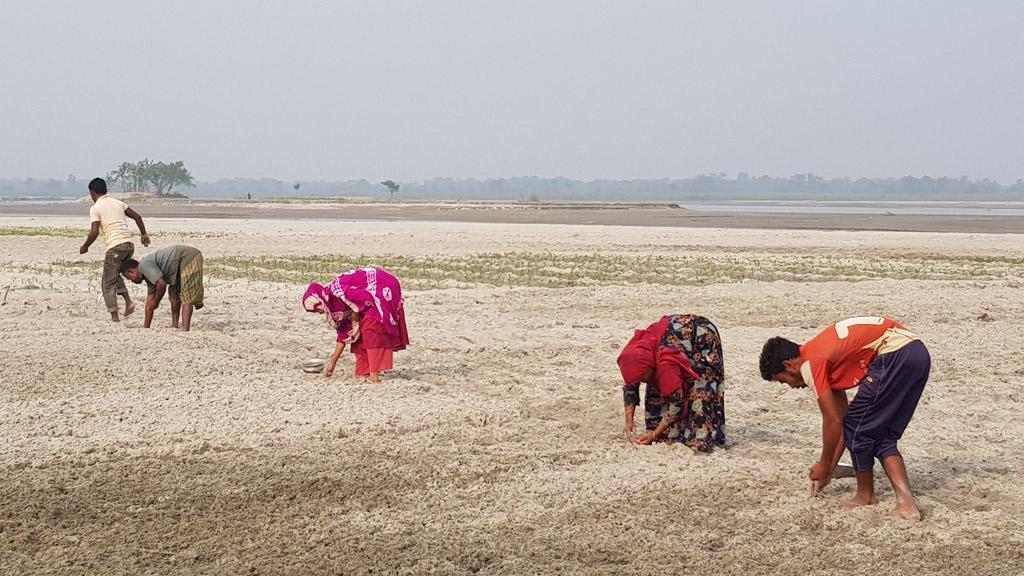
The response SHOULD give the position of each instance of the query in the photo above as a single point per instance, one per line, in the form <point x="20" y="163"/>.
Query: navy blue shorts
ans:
<point x="884" y="404"/>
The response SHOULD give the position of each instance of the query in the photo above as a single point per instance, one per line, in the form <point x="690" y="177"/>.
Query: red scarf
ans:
<point x="645" y="360"/>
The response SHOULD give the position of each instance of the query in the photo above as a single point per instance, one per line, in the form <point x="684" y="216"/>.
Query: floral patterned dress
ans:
<point x="698" y="410"/>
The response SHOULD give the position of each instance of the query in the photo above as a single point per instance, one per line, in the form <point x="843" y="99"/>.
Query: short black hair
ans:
<point x="776" y="351"/>
<point x="98" y="186"/>
<point x="128" y="265"/>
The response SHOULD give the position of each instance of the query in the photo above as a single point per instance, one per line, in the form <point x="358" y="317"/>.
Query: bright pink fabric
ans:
<point x="372" y="334"/>
<point x="372" y="292"/>
<point x="317" y="298"/>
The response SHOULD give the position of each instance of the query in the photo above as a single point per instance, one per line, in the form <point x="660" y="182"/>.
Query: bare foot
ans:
<point x="860" y="500"/>
<point x="129" y="307"/>
<point x="907" y="510"/>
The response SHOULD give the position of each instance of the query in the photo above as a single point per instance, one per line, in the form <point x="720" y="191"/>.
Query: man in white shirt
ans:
<point x="109" y="217"/>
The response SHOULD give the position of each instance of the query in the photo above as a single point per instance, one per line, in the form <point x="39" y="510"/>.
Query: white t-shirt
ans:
<point x="109" y="212"/>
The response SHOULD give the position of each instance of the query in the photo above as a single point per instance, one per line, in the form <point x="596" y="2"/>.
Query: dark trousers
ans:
<point x="884" y="404"/>
<point x="112" y="284"/>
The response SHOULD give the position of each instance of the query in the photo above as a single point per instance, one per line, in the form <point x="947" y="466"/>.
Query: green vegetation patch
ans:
<point x="83" y="232"/>
<point x="558" y="270"/>
<point x="554" y="270"/>
<point x="42" y="231"/>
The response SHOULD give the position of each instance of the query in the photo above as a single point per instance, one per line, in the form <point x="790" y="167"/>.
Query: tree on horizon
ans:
<point x="392" y="187"/>
<point x="163" y="176"/>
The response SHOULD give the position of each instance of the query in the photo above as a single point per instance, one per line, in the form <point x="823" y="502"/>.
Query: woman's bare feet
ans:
<point x="860" y="500"/>
<point x="907" y="510"/>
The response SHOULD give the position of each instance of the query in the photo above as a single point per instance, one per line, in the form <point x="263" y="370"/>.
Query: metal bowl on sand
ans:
<point x="844" y="470"/>
<point x="313" y="365"/>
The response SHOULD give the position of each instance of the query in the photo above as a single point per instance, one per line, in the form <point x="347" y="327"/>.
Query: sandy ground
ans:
<point x="494" y="447"/>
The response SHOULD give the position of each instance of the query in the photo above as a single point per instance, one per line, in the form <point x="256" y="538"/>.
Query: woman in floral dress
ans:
<point x="679" y="357"/>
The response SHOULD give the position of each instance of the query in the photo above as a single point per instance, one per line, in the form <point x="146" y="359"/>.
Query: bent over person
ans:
<point x="176" y="270"/>
<point x="367" y="310"/>
<point x="680" y="359"/>
<point x="890" y="365"/>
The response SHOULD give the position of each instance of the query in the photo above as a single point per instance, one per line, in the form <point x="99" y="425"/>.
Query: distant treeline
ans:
<point x="706" y="187"/>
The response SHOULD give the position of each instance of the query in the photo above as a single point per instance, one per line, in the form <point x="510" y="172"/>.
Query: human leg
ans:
<point x="709" y="362"/>
<point x="877" y="417"/>
<point x="112" y="285"/>
<point x="362" y="363"/>
<point x="896" y="470"/>
<point x="910" y="374"/>
<point x="862" y="426"/>
<point x="186" y="317"/>
<point x="379" y="360"/>
<point x="865" y="495"/>
<point x="174" y="295"/>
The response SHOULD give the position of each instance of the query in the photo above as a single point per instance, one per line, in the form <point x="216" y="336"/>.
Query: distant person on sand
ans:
<point x="891" y="365"/>
<point x="680" y="359"/>
<point x="176" y="270"/>
<point x="109" y="217"/>
<point x="366" y="309"/>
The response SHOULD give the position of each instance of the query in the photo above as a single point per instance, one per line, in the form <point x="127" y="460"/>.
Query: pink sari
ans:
<point x="372" y="292"/>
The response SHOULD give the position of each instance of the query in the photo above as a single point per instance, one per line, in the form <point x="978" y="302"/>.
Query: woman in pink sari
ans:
<point x="366" y="308"/>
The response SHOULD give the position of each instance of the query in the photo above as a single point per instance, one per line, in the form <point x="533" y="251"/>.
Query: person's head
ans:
<point x="97" y="188"/>
<point x="637" y="359"/>
<point x="130" y="270"/>
<point x="317" y="300"/>
<point x="780" y="361"/>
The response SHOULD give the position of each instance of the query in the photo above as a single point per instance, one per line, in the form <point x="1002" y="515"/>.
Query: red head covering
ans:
<point x="645" y="360"/>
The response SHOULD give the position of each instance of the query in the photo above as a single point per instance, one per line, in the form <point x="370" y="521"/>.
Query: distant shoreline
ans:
<point x="598" y="213"/>
<point x="365" y="200"/>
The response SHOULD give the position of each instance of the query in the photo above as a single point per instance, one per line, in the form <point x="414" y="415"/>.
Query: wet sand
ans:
<point x="591" y="214"/>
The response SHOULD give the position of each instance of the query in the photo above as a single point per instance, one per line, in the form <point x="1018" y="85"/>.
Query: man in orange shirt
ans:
<point x="891" y="367"/>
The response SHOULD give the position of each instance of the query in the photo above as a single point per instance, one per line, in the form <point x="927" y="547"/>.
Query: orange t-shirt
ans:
<point x="838" y="358"/>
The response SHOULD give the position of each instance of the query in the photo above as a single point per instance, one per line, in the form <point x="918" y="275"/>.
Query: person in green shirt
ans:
<point x="174" y="270"/>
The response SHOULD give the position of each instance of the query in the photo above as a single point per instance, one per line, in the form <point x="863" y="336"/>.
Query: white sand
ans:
<point x="494" y="448"/>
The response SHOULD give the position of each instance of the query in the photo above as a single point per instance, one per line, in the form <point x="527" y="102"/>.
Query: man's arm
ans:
<point x="153" y="301"/>
<point x="842" y="403"/>
<point x="138" y="221"/>
<point x="833" y="407"/>
<point x="94" y="232"/>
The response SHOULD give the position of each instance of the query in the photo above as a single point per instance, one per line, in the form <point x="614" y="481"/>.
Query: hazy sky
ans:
<point x="584" y="89"/>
